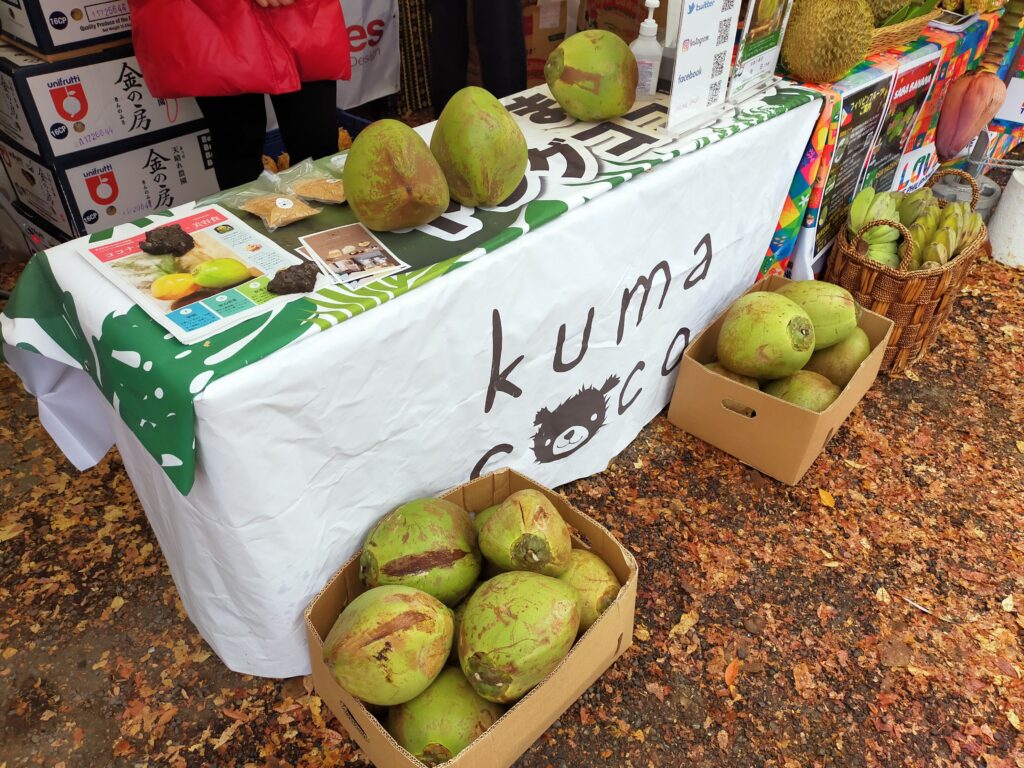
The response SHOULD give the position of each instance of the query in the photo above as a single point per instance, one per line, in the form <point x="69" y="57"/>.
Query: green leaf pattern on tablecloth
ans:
<point x="152" y="380"/>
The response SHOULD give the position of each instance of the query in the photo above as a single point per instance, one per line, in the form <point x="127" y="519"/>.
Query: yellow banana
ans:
<point x="884" y="253"/>
<point x="859" y="209"/>
<point x="936" y="252"/>
<point x="949" y="240"/>
<point x="916" y="205"/>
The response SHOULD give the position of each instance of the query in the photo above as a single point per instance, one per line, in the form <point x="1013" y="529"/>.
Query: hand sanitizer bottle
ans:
<point x="648" y="53"/>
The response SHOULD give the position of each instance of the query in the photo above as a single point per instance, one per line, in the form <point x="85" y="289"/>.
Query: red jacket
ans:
<point x="228" y="47"/>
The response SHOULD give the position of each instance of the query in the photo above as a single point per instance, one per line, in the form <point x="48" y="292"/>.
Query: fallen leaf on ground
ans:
<point x="732" y="671"/>
<point x="802" y="679"/>
<point x="893" y="652"/>
<point x="723" y="741"/>
<point x="117" y="603"/>
<point x="686" y="622"/>
<point x="10" y="530"/>
<point x="1008" y="604"/>
<point x="882" y="595"/>
<point x="827" y="498"/>
<point x="1014" y="721"/>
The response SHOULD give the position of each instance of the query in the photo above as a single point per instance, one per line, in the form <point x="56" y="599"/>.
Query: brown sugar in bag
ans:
<point x="321" y="190"/>
<point x="309" y="181"/>
<point x="277" y="209"/>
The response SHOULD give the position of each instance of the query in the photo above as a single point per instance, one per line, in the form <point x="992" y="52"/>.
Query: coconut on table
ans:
<point x="512" y="734"/>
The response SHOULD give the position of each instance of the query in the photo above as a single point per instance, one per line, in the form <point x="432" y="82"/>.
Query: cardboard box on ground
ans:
<point x="544" y="29"/>
<point x="76" y="105"/>
<point x="32" y="234"/>
<point x="780" y="439"/>
<point x="622" y="17"/>
<point x="525" y="721"/>
<point x="53" y="26"/>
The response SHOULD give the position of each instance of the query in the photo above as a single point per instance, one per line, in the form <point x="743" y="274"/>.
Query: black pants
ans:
<point x="238" y="126"/>
<point x="498" y="25"/>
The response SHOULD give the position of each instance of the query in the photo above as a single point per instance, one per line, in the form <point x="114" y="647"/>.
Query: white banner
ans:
<point x="373" y="37"/>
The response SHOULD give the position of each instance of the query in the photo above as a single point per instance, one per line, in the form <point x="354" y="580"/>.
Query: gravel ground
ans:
<point x="871" y="616"/>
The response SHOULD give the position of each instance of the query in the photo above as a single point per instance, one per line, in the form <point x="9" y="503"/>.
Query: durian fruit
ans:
<point x="825" y="38"/>
<point x="883" y="9"/>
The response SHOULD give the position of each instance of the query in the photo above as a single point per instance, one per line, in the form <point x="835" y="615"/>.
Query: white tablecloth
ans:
<point x="299" y="453"/>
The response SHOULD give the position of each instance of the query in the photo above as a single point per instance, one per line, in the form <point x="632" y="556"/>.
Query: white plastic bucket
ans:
<point x="1006" y="230"/>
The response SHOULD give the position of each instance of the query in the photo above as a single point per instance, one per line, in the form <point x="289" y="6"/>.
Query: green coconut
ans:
<point x="832" y="309"/>
<point x="481" y="517"/>
<point x="517" y="628"/>
<point x="595" y="583"/>
<point x="389" y="644"/>
<point x="429" y="544"/>
<point x="841" y="361"/>
<point x="526" y="533"/>
<point x="443" y="720"/>
<point x="765" y="336"/>
<point x="721" y="370"/>
<point x="806" y="389"/>
<point x="392" y="180"/>
<point x="593" y="75"/>
<point x="480" y="148"/>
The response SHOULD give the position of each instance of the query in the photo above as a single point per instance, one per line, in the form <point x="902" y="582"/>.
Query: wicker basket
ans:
<point x="905" y="32"/>
<point x="917" y="302"/>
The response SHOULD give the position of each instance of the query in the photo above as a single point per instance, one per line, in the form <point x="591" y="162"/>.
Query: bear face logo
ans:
<point x="573" y="424"/>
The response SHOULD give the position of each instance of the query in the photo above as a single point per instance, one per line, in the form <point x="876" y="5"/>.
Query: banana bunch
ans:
<point x="922" y="230"/>
<point x="915" y="205"/>
<point x="882" y="240"/>
<point x="938" y="234"/>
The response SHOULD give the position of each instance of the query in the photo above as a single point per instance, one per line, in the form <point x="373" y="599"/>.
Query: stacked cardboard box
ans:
<point x="54" y="27"/>
<point x="83" y="144"/>
<point x="544" y="28"/>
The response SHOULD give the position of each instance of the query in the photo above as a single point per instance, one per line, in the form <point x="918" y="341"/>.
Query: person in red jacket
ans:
<point x="229" y="53"/>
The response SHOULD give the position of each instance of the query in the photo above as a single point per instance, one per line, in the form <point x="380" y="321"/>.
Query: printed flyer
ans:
<point x="760" y="46"/>
<point x="351" y="254"/>
<point x="863" y="105"/>
<point x="196" y="274"/>
<point x="911" y="89"/>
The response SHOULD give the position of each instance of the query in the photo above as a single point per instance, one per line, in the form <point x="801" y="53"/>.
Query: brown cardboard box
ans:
<point x="544" y="29"/>
<point x="622" y="17"/>
<point x="780" y="439"/>
<point x="523" y="723"/>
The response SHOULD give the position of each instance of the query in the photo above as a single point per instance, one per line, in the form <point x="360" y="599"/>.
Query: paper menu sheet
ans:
<point x="191" y="312"/>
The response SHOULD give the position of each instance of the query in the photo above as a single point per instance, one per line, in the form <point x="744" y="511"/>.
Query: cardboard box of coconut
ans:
<point x="525" y="721"/>
<point x="778" y="438"/>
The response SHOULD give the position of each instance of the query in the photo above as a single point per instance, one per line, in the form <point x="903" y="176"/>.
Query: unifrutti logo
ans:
<point x="68" y="96"/>
<point x="102" y="184"/>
